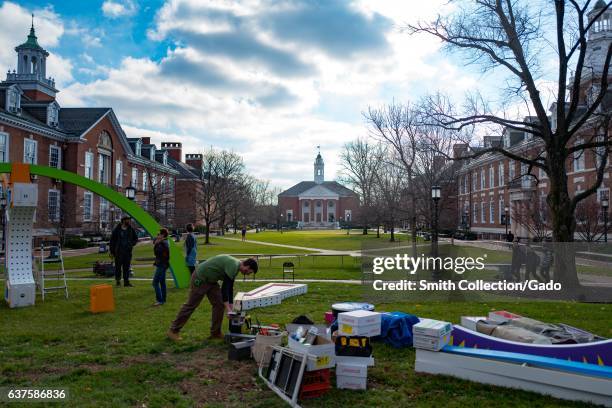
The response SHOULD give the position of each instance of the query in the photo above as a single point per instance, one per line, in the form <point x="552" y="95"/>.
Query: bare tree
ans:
<point x="221" y="173"/>
<point x="397" y="125"/>
<point x="589" y="223"/>
<point x="360" y="162"/>
<point x="511" y="37"/>
<point x="392" y="192"/>
<point x="533" y="215"/>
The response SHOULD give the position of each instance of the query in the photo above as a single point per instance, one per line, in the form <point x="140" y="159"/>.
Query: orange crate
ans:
<point x="101" y="298"/>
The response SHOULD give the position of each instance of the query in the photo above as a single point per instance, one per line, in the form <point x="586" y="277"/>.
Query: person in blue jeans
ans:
<point x="162" y="262"/>
<point x="191" y="249"/>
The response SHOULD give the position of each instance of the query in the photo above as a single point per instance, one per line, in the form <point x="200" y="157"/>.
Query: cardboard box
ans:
<point x="369" y="330"/>
<point x="469" y="322"/>
<point x="431" y="343"/>
<point x="430" y="327"/>
<point x="363" y="361"/>
<point x="359" y="318"/>
<point x="352" y="370"/>
<point x="351" y="383"/>
<point x="323" y="350"/>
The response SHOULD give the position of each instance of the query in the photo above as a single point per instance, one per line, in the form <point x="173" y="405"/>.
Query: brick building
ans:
<point x="494" y="190"/>
<point x="319" y="203"/>
<point x="35" y="129"/>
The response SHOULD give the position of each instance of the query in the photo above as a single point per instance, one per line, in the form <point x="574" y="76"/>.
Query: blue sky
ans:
<point x="268" y="79"/>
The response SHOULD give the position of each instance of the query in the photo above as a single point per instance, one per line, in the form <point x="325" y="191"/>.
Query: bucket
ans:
<point x="261" y="349"/>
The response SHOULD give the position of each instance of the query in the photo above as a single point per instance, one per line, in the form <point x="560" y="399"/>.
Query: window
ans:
<point x="492" y="212"/>
<point x="154" y="181"/>
<point x="600" y="151"/>
<point x="13" y="100"/>
<point x="483" y="214"/>
<point x="103" y="210"/>
<point x="170" y="185"/>
<point x="4" y="157"/>
<point x="52" y="115"/>
<point x="87" y="206"/>
<point x="475" y="215"/>
<point x="139" y="148"/>
<point x="134" y="177"/>
<point x="502" y="211"/>
<point x="30" y="151"/>
<point x="89" y="165"/>
<point x="603" y="194"/>
<point x="525" y="177"/>
<point x="165" y="158"/>
<point x="491" y="177"/>
<point x="119" y="173"/>
<point x="465" y="184"/>
<point x="162" y="185"/>
<point x="145" y="180"/>
<point x="53" y="205"/>
<point x="511" y="170"/>
<point x="318" y="204"/>
<point x="55" y="157"/>
<point x="578" y="157"/>
<point x="103" y="168"/>
<point x="306" y="204"/>
<point x="501" y="174"/>
<point x="474" y="181"/>
<point x="482" y="179"/>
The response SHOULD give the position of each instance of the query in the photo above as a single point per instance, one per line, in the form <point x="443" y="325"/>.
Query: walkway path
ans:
<point x="319" y="250"/>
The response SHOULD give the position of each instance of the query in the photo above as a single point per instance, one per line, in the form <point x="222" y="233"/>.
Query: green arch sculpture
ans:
<point x="179" y="270"/>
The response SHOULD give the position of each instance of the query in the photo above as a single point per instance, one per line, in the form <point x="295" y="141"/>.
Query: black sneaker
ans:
<point x="128" y="285"/>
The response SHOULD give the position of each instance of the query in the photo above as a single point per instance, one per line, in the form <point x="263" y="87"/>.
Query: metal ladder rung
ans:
<point x="47" y="274"/>
<point x="48" y="289"/>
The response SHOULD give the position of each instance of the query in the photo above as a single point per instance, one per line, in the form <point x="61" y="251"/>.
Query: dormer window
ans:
<point x="53" y="114"/>
<point x="152" y="153"/>
<point x="13" y="100"/>
<point x="139" y="147"/>
<point x="165" y="158"/>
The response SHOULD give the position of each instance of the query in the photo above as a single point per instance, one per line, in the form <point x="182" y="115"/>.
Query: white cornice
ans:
<point x="24" y="124"/>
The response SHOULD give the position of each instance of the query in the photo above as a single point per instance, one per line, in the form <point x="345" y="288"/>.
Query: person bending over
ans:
<point x="205" y="282"/>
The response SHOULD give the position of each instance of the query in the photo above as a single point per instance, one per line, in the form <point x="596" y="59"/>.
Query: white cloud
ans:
<point x="217" y="99"/>
<point x="116" y="9"/>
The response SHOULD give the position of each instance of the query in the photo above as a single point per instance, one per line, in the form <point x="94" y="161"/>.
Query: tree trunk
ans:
<point x="392" y="239"/>
<point x="377" y="231"/>
<point x="563" y="225"/>
<point x="207" y="232"/>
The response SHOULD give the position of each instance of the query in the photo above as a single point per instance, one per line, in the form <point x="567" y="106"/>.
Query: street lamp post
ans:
<point x="604" y="206"/>
<point x="435" y="196"/>
<point x="3" y="215"/>
<point x="281" y="223"/>
<point x="506" y="220"/>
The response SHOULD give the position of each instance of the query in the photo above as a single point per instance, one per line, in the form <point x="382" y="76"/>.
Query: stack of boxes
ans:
<point x="432" y="335"/>
<point x="353" y="349"/>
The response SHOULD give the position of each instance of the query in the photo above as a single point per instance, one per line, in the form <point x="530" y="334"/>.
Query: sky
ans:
<point x="270" y="80"/>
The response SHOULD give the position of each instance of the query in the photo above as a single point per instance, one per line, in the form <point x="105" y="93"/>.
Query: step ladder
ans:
<point x="55" y="277"/>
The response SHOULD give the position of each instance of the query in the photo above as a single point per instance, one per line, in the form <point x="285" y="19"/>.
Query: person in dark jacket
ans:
<point x="547" y="261"/>
<point x="191" y="249"/>
<point x="532" y="260"/>
<point x="161" y="249"/>
<point x="517" y="260"/>
<point x="121" y="243"/>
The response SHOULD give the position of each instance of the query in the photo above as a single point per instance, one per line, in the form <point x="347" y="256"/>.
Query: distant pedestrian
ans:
<point x="161" y="250"/>
<point x="191" y="249"/>
<point x="121" y="243"/>
<point x="532" y="260"/>
<point x="517" y="260"/>
<point x="547" y="261"/>
<point x="244" y="233"/>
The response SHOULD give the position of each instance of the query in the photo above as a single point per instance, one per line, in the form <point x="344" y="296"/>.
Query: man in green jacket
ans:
<point x="205" y="282"/>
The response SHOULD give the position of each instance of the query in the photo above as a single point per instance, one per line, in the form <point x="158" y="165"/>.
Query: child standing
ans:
<point x="162" y="261"/>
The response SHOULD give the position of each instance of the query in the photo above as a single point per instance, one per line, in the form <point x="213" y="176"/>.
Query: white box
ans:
<point x="351" y="383"/>
<point x="431" y="343"/>
<point x="367" y="361"/>
<point x="469" y="322"/>
<point x="20" y="294"/>
<point x="24" y="195"/>
<point x="359" y="318"/>
<point x="370" y="330"/>
<point x="324" y="352"/>
<point x="352" y="370"/>
<point x="430" y="327"/>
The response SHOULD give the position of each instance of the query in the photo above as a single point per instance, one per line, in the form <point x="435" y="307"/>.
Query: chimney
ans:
<point x="194" y="160"/>
<point x="175" y="150"/>
<point x="146" y="140"/>
<point x="459" y="149"/>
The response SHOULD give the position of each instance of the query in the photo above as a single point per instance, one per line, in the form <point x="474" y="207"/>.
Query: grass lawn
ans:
<point x="324" y="239"/>
<point x="123" y="359"/>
